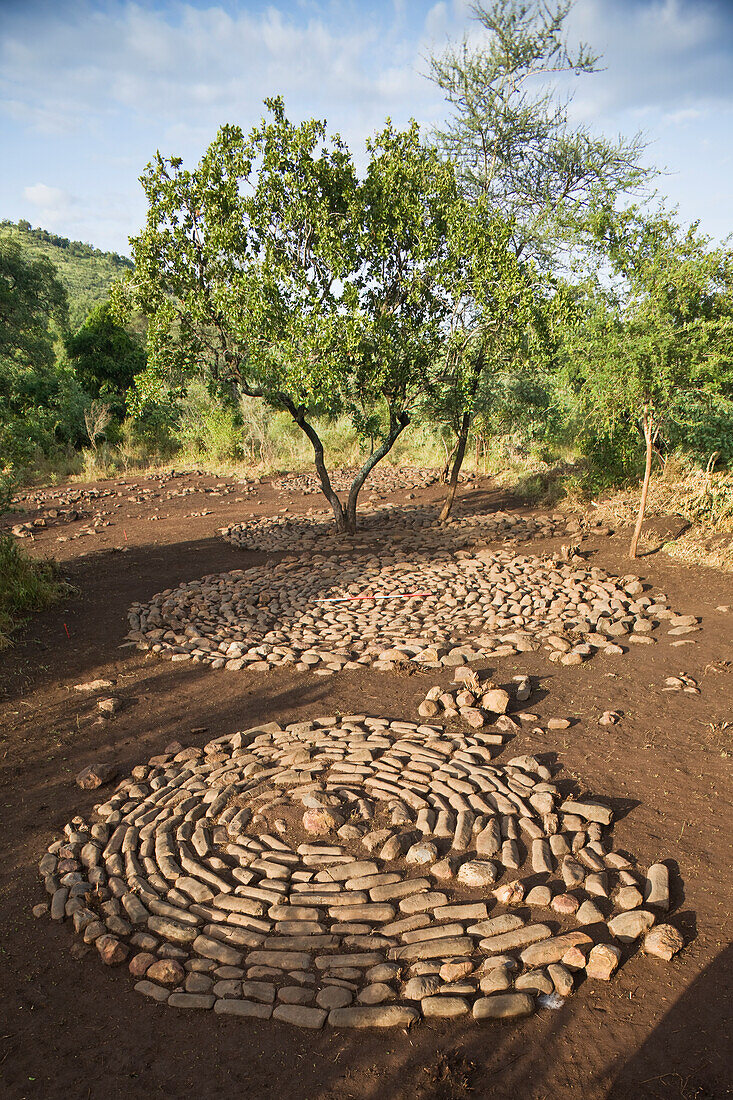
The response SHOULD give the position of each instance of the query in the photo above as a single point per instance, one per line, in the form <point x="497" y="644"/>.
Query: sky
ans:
<point x="90" y="89"/>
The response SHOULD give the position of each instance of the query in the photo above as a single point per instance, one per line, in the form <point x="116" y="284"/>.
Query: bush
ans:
<point x="25" y="585"/>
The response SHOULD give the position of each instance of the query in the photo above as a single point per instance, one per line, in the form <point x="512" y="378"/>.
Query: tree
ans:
<point x="517" y="153"/>
<point x="495" y="328"/>
<point x="510" y="134"/>
<point x="33" y="313"/>
<point x="105" y="356"/>
<point x="654" y="335"/>
<point x="272" y="270"/>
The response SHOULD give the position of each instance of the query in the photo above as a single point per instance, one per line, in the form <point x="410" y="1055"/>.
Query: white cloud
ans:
<point x="669" y="54"/>
<point x="90" y="88"/>
<point x="48" y="199"/>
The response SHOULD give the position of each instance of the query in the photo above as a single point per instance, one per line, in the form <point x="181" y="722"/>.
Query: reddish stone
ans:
<point x="166" y="972"/>
<point x="141" y="963"/>
<point x="111" y="950"/>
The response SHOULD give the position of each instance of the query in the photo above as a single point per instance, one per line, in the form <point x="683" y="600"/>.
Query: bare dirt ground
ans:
<point x="73" y="1028"/>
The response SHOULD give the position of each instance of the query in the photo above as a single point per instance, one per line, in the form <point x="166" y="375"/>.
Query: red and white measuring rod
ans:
<point x="386" y="596"/>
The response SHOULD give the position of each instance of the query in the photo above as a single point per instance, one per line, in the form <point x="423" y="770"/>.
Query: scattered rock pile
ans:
<point x="354" y="871"/>
<point x="476" y="700"/>
<point x="69" y="504"/>
<point x="314" y="615"/>
<point x="688" y="684"/>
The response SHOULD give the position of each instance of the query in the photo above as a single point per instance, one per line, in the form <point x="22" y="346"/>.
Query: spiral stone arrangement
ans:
<point x="355" y="871"/>
<point x="385" y="608"/>
<point x="399" y="525"/>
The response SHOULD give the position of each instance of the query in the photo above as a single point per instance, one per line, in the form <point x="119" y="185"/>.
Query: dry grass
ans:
<point x="702" y="497"/>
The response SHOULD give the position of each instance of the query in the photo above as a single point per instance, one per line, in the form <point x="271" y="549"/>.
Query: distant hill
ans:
<point x="86" y="272"/>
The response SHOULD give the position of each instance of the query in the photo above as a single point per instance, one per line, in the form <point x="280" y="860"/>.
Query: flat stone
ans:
<point x="562" y="979"/>
<point x="496" y="981"/>
<point x="589" y="811"/>
<point x="334" y="997"/>
<point x="477" y="873"/>
<point x="301" y="1016"/>
<point x="536" y="981"/>
<point x="191" y="1000"/>
<point x="503" y="1006"/>
<point x="656" y="886"/>
<point x="375" y="994"/>
<point x="603" y="961"/>
<point x="418" y="988"/>
<point x="155" y="992"/>
<point x="374" y="1016"/>
<point x="263" y="992"/>
<point x="225" y="1007"/>
<point x="444" y="1006"/>
<point x="494" y="945"/>
<point x="553" y="949"/>
<point x="295" y="995"/>
<point x="627" y="927"/>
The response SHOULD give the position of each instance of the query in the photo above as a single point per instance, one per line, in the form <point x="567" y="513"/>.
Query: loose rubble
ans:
<point x="462" y="606"/>
<point x="210" y="874"/>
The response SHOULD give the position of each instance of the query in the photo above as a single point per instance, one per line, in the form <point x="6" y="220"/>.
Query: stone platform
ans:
<point x="355" y="872"/>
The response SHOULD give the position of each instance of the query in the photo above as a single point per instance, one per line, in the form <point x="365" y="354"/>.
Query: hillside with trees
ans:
<point x="86" y="273"/>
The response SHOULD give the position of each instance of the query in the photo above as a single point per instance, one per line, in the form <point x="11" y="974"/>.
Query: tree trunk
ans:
<point x="457" y="463"/>
<point x="647" y="425"/>
<point x="326" y="487"/>
<point x="398" y="425"/>
<point x="466" y="420"/>
<point x="446" y="469"/>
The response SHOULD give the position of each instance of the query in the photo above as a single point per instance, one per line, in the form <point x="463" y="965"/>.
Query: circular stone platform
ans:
<point x="355" y="871"/>
<point x="478" y="605"/>
<point x="399" y="525"/>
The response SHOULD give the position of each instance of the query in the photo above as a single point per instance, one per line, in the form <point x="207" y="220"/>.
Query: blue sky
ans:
<point x="89" y="89"/>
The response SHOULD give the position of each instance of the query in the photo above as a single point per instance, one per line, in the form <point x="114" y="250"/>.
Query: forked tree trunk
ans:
<point x="466" y="420"/>
<point x="397" y="426"/>
<point x="456" y="468"/>
<point x="327" y="488"/>
<point x="647" y="424"/>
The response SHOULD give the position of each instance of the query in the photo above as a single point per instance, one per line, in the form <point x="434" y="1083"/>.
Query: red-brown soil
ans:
<point x="72" y="1028"/>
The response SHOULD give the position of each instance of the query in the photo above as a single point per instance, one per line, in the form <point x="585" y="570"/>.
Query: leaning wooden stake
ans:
<point x="646" y="421"/>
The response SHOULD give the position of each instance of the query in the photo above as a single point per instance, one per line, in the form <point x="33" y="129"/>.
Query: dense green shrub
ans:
<point x="25" y="586"/>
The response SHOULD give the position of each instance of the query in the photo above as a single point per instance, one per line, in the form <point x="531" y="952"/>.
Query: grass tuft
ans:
<point x="25" y="586"/>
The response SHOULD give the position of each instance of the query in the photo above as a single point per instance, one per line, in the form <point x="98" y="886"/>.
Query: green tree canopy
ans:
<point x="510" y="134"/>
<point x="654" y="334"/>
<point x="38" y="398"/>
<point x="105" y="356"/>
<point x="271" y="269"/>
